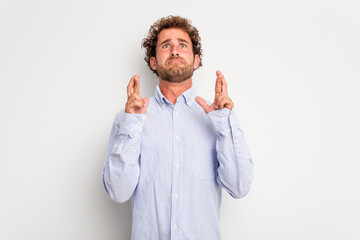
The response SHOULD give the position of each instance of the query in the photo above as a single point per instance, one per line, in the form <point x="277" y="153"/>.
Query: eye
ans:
<point x="183" y="45"/>
<point x="166" y="45"/>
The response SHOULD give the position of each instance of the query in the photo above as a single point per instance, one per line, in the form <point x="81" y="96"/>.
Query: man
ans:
<point x="172" y="153"/>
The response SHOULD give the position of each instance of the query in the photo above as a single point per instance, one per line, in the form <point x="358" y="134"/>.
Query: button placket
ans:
<point x="176" y="174"/>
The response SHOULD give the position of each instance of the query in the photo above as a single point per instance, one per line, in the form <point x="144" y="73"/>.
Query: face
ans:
<point x="175" y="60"/>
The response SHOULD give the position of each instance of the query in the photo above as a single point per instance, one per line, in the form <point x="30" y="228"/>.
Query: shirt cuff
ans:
<point x="220" y="119"/>
<point x="132" y="124"/>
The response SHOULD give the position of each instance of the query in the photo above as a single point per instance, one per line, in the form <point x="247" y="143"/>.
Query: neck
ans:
<point x="173" y="90"/>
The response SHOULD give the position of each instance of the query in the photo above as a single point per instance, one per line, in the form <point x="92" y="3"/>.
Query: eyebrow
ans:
<point x="179" y="39"/>
<point x="183" y="40"/>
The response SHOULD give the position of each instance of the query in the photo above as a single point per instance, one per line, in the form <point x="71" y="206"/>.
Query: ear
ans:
<point x="196" y="61"/>
<point x="153" y="63"/>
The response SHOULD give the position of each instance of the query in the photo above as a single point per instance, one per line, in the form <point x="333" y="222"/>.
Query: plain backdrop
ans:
<point x="292" y="69"/>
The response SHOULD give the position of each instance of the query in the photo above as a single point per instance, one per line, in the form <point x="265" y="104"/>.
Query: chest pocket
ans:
<point x="204" y="162"/>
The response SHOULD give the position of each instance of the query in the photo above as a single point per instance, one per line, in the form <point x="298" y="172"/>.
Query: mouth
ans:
<point x="176" y="60"/>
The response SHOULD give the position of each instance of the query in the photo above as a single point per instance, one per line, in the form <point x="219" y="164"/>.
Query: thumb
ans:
<point x="203" y="104"/>
<point x="146" y="102"/>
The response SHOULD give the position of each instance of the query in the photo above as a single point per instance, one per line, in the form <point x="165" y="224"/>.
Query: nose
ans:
<point x="174" y="52"/>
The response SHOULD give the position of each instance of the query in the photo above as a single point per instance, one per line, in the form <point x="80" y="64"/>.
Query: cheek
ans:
<point x="162" y="56"/>
<point x="186" y="52"/>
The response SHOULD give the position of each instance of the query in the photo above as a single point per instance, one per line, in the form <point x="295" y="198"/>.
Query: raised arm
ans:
<point x="121" y="170"/>
<point x="235" y="171"/>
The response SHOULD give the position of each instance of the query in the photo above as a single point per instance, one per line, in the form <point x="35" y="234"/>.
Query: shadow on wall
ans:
<point x="118" y="220"/>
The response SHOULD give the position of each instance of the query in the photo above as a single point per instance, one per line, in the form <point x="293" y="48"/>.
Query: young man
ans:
<point x="172" y="153"/>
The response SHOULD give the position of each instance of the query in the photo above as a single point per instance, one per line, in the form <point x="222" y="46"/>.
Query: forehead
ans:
<point x="173" y="34"/>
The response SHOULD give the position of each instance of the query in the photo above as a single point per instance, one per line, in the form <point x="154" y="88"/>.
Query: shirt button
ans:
<point x="222" y="119"/>
<point x="177" y="166"/>
<point x="176" y="196"/>
<point x="134" y="150"/>
<point x="236" y="141"/>
<point x="177" y="113"/>
<point x="175" y="226"/>
<point x="139" y="123"/>
<point x="177" y="137"/>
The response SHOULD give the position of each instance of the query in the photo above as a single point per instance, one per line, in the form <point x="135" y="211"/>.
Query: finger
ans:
<point x="130" y="87"/>
<point x="131" y="100"/>
<point x="135" y="104"/>
<point x="226" y="103"/>
<point x="222" y="81"/>
<point x="202" y="103"/>
<point x="218" y="99"/>
<point x="138" y="103"/>
<point x="147" y="101"/>
<point x="141" y="103"/>
<point x="218" y="87"/>
<point x="134" y="97"/>
<point x="137" y="84"/>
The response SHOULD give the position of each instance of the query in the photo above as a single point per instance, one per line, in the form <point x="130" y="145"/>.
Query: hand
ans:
<point x="221" y="99"/>
<point x="135" y="103"/>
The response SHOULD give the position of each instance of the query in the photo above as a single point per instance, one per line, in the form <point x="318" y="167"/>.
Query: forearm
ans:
<point x="121" y="170"/>
<point x="235" y="171"/>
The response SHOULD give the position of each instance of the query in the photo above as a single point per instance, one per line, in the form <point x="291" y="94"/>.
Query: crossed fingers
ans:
<point x="221" y="99"/>
<point x="135" y="103"/>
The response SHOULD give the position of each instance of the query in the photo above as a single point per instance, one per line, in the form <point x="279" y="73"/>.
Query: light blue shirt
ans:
<point x="172" y="163"/>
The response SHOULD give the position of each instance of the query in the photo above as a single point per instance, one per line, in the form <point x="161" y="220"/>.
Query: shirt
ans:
<point x="172" y="163"/>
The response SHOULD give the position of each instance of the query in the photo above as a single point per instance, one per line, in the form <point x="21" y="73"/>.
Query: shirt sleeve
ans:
<point x="121" y="170"/>
<point x="235" y="171"/>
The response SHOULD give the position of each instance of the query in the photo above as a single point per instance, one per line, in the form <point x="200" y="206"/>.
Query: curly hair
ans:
<point x="149" y="43"/>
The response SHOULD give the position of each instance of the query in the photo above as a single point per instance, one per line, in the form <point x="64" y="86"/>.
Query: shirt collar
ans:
<point x="188" y="96"/>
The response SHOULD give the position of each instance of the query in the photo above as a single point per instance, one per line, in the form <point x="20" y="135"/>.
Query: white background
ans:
<point x="293" y="72"/>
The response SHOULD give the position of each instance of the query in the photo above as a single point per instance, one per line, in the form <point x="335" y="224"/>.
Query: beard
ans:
<point x="174" y="73"/>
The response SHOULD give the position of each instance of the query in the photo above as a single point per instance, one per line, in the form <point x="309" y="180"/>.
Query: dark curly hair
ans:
<point x="149" y="43"/>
